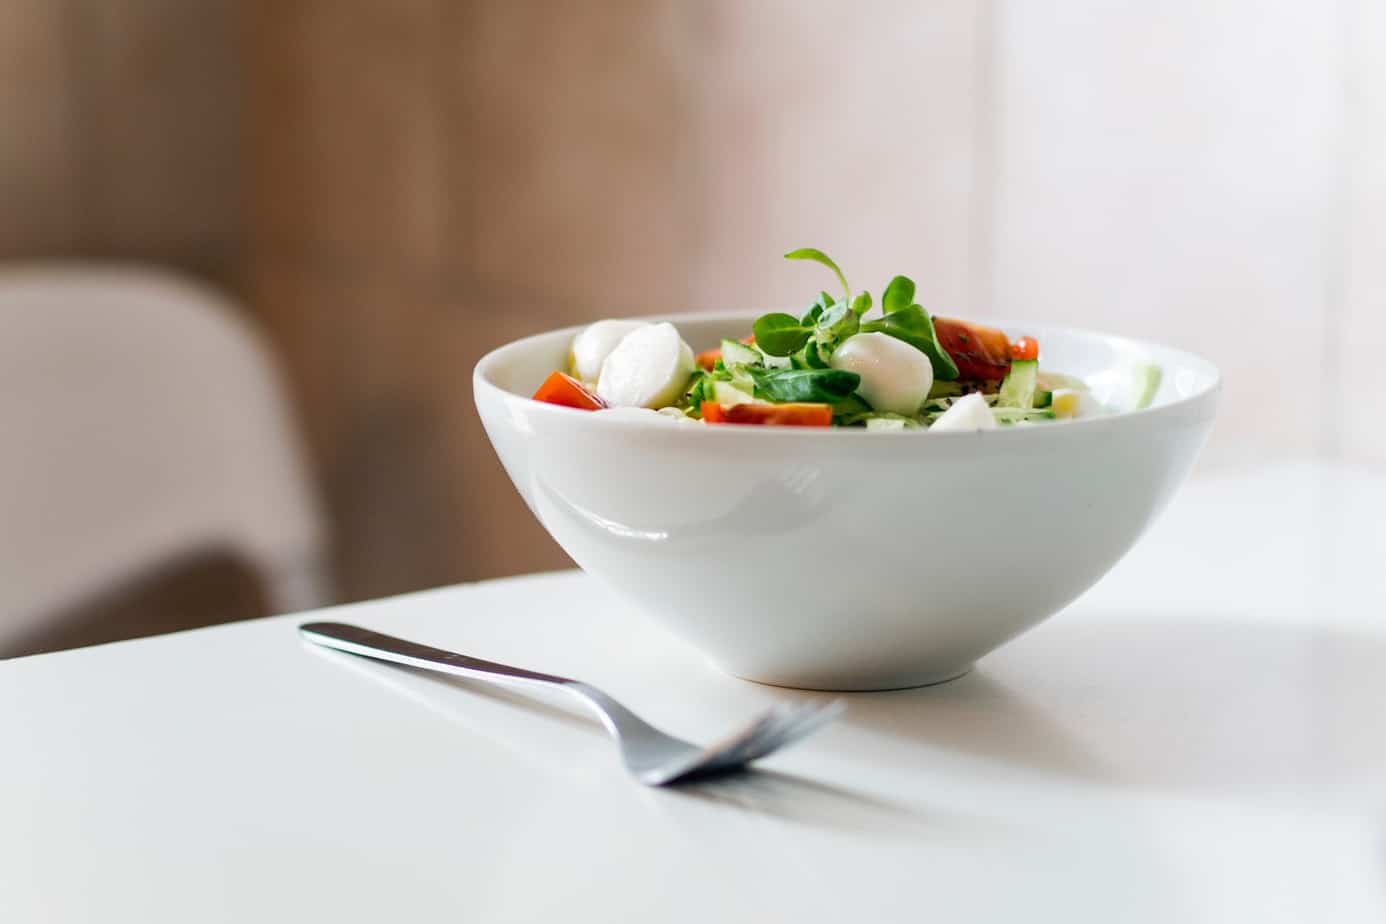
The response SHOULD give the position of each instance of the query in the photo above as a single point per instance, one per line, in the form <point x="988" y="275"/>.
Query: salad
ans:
<point x="839" y="364"/>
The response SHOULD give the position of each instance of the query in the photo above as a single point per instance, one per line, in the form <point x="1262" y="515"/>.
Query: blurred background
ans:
<point x="250" y="251"/>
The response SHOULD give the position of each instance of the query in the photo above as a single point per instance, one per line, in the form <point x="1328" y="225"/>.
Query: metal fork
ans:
<point x="651" y="756"/>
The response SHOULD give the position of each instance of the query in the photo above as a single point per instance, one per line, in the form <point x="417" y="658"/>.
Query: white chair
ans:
<point x="141" y="419"/>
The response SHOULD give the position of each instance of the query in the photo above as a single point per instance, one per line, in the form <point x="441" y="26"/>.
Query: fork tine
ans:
<point x="802" y="722"/>
<point x="751" y="740"/>
<point x="780" y="726"/>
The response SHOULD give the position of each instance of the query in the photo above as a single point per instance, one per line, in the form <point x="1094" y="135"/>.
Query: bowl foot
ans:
<point x="856" y="685"/>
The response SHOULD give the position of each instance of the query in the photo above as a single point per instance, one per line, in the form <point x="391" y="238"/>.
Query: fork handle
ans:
<point x="358" y="641"/>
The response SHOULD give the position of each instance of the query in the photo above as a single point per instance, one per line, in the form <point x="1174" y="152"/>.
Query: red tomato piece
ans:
<point x="1025" y="348"/>
<point x="561" y="388"/>
<point x="770" y="415"/>
<point x="981" y="353"/>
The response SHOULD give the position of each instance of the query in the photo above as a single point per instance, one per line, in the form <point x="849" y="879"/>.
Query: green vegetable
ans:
<point x="812" y="358"/>
<point x="727" y="394"/>
<point x="914" y="326"/>
<point x="818" y="256"/>
<point x="1043" y="398"/>
<point x="701" y="390"/>
<point x="1018" y="390"/>
<point x="945" y="390"/>
<point x="898" y="295"/>
<point x="835" y="325"/>
<point x="1010" y="415"/>
<point x="890" y="422"/>
<point x="780" y="334"/>
<point x="850" y="411"/>
<point x="1147" y="378"/>
<point x="817" y="386"/>
<point x="734" y="352"/>
<point x="861" y="304"/>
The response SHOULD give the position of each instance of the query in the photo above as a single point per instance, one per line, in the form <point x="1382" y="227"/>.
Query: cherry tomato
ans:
<point x="1025" y="348"/>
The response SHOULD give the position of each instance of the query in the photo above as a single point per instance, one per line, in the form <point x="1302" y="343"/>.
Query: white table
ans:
<point x="1199" y="739"/>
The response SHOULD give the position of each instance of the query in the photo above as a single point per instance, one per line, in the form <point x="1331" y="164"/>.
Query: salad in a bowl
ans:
<point x="841" y="363"/>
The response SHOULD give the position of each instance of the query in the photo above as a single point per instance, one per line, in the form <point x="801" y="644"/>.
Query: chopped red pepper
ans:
<point x="707" y="359"/>
<point x="772" y="415"/>
<point x="561" y="388"/>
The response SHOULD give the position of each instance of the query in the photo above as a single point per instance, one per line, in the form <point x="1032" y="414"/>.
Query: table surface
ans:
<point x="1198" y="739"/>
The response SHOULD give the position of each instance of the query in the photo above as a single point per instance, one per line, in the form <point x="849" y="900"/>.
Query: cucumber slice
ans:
<point x="734" y="352"/>
<point x="728" y="395"/>
<point x="776" y="362"/>
<point x="1019" y="388"/>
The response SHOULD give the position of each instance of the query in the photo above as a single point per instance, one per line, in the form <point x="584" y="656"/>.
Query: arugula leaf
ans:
<point x="818" y="256"/>
<point x="817" y="386"/>
<point x="898" y="295"/>
<point x="914" y="326"/>
<point x="780" y="334"/>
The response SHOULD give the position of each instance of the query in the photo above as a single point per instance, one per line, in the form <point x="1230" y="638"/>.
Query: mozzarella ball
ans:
<point x="895" y="377"/>
<point x="970" y="412"/>
<point x="594" y="344"/>
<point x="650" y="367"/>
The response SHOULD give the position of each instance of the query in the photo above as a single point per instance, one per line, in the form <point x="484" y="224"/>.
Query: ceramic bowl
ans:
<point x="844" y="559"/>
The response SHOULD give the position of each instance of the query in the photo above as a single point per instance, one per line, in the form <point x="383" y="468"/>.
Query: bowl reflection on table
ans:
<point x="845" y="559"/>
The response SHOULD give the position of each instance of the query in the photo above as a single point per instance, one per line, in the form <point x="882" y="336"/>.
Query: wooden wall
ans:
<point x="431" y="179"/>
<point x="122" y="132"/>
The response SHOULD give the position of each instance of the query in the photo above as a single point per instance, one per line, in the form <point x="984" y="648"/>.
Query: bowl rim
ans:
<point x="1204" y="398"/>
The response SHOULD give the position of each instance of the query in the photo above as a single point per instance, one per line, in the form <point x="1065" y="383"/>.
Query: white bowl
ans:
<point x="845" y="559"/>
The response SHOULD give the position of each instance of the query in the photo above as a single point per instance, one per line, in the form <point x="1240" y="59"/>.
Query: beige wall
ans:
<point x="425" y="179"/>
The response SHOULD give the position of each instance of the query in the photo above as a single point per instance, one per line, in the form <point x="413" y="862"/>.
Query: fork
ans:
<point x="651" y="756"/>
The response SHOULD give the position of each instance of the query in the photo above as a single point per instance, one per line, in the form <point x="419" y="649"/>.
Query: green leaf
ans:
<point x="701" y="390"/>
<point x="812" y="358"/>
<point x="817" y="386"/>
<point x="818" y="256"/>
<point x="850" y="411"/>
<point x="816" y="309"/>
<point x="836" y="324"/>
<point x="780" y="334"/>
<point x="914" y="326"/>
<point x="861" y="304"/>
<point x="898" y="295"/>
